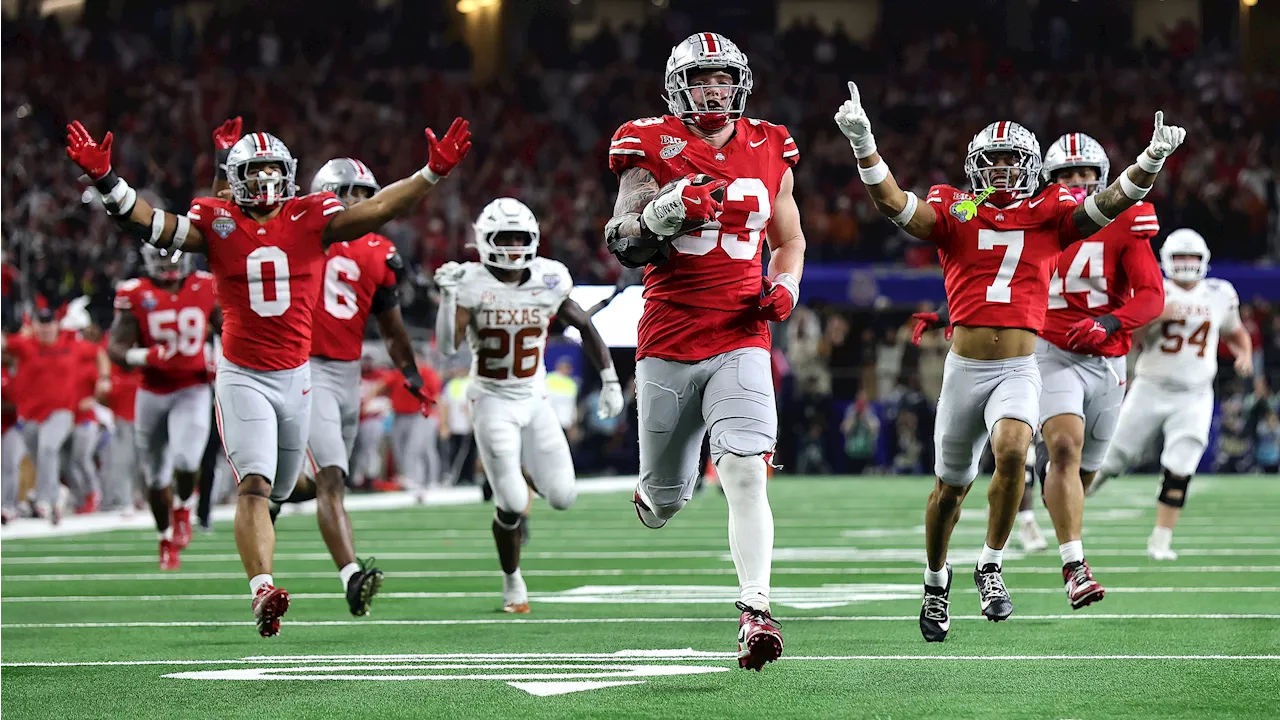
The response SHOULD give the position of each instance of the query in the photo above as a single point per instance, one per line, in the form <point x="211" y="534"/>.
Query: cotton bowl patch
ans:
<point x="223" y="226"/>
<point x="552" y="280"/>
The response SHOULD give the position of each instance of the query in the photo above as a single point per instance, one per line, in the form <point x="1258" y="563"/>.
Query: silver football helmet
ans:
<point x="163" y="266"/>
<point x="711" y="109"/>
<point x="1075" y="150"/>
<point x="342" y="175"/>
<point x="250" y="184"/>
<point x="1000" y="137"/>
<point x="1184" y="242"/>
<point x="506" y="215"/>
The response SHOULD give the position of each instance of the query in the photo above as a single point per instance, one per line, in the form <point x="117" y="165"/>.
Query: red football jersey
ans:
<point x="50" y="375"/>
<point x="1111" y="272"/>
<point x="9" y="406"/>
<point x="402" y="401"/>
<point x="997" y="264"/>
<point x="124" y="392"/>
<point x="267" y="275"/>
<point x="699" y="303"/>
<point x="179" y="322"/>
<point x="353" y="272"/>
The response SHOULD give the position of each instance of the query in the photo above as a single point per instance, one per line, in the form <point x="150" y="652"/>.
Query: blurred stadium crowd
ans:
<point x="361" y="79"/>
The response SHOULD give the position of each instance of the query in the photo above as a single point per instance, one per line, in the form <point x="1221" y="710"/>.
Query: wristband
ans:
<point x="865" y="147"/>
<point x="1132" y="190"/>
<point x="788" y="281"/>
<point x="1110" y="322"/>
<point x="609" y="375"/>
<point x="136" y="357"/>
<point x="1094" y="213"/>
<point x="428" y="175"/>
<point x="875" y="174"/>
<point x="1150" y="164"/>
<point x="904" y="217"/>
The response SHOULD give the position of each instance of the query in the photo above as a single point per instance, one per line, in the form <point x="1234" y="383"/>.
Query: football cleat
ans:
<point x="182" y="527"/>
<point x="996" y="605"/>
<point x="1082" y="589"/>
<point x="169" y="559"/>
<point x="759" y="638"/>
<point x="1160" y="551"/>
<point x="362" y="586"/>
<point x="515" y="594"/>
<point x="935" y="612"/>
<point x="90" y="504"/>
<point x="1030" y="537"/>
<point x="654" y="522"/>
<point x="270" y="603"/>
<point x="518" y="608"/>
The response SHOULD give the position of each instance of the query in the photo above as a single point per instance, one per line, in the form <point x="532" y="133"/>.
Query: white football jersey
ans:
<point x="1183" y="352"/>
<point x="508" y="329"/>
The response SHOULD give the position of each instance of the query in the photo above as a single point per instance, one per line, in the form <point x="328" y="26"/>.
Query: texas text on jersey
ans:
<point x="178" y="321"/>
<point x="1182" y="352"/>
<point x="508" y="329"/>
<point x="268" y="276"/>
<point x="717" y="269"/>
<point x="352" y="274"/>
<point x="1099" y="276"/>
<point x="997" y="263"/>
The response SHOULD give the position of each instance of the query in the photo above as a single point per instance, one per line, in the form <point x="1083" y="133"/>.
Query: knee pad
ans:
<point x="664" y="500"/>
<point x="562" y="499"/>
<point x="506" y="520"/>
<point x="1173" y="491"/>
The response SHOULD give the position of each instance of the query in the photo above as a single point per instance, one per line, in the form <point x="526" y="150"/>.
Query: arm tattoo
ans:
<point x="1111" y="202"/>
<point x="636" y="188"/>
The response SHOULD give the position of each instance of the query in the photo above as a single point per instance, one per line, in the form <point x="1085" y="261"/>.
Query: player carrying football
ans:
<point x="161" y="324"/>
<point x="1172" y="393"/>
<point x="703" y="353"/>
<point x="1102" y="289"/>
<point x="266" y="248"/>
<point x="505" y="302"/>
<point x="998" y="246"/>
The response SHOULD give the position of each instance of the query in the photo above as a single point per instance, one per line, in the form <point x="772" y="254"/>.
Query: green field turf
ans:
<point x="92" y="628"/>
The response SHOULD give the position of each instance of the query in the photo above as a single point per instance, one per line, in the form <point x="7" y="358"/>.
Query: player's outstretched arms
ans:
<point x="400" y="196"/>
<point x="225" y="136"/>
<point x="904" y="209"/>
<point x="1099" y="209"/>
<point x="611" y="402"/>
<point x="135" y="215"/>
<point x="449" y="316"/>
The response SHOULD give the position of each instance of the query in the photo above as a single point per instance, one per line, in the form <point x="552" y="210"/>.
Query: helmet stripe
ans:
<point x="1002" y="131"/>
<point x="1073" y="144"/>
<point x="709" y="41"/>
<point x="360" y="168"/>
<point x="261" y="140"/>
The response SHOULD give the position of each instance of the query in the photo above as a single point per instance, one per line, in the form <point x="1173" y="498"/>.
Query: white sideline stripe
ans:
<point x="835" y="550"/>
<point x="620" y="621"/>
<point x="597" y="657"/>
<point x="620" y="572"/>
<point x="240" y="597"/>
<point x="22" y="528"/>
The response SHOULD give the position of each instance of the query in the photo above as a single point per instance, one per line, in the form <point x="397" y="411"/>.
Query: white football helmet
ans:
<point x="506" y="215"/>
<point x="1184" y="241"/>
<point x="342" y="175"/>
<point x="162" y="266"/>
<point x="1075" y="150"/>
<point x="251" y="186"/>
<point x="707" y="51"/>
<point x="1004" y="136"/>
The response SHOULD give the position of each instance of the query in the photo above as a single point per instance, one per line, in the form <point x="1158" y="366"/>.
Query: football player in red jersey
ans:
<point x="1102" y="290"/>
<point x="703" y="356"/>
<point x="266" y="249"/>
<point x="999" y="246"/>
<point x="360" y="277"/>
<point x="161" y="325"/>
<point x="13" y="449"/>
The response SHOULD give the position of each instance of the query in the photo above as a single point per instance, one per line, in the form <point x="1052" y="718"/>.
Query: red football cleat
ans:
<point x="1082" y="589"/>
<point x="182" y="527"/>
<point x="169" y="559"/>
<point x="759" y="638"/>
<point x="269" y="605"/>
<point x="90" y="504"/>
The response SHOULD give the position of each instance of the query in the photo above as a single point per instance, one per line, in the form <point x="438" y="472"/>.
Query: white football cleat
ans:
<point x="1030" y="537"/>
<point x="1159" y="552"/>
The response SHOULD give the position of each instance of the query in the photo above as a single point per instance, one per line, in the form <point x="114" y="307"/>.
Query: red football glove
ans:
<point x="448" y="151"/>
<point x="93" y="158"/>
<point x="776" y="301"/>
<point x="1087" y="335"/>
<point x="414" y="384"/>
<point x="227" y="134"/>
<point x="926" y="321"/>
<point x="700" y="203"/>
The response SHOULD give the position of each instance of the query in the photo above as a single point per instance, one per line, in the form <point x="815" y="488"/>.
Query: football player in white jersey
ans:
<point x="506" y="302"/>
<point x="1173" y="391"/>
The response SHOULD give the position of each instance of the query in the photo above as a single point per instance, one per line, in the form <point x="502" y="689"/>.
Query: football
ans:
<point x="689" y="226"/>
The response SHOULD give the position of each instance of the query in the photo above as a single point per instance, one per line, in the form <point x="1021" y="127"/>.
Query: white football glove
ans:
<point x="1164" y="140"/>
<point x="853" y="122"/>
<point x="610" y="403"/>
<point x="448" y="276"/>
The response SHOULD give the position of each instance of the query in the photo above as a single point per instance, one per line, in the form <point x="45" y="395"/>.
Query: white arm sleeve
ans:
<point x="446" y="319"/>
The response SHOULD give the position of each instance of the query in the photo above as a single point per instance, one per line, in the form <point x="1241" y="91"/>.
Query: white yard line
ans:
<point x="620" y="621"/>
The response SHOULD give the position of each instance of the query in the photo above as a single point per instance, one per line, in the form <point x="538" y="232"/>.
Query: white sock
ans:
<point x="1161" y="536"/>
<point x="744" y="481"/>
<point x="167" y="534"/>
<point x="189" y="503"/>
<point x="513" y="587"/>
<point x="1071" y="552"/>
<point x="936" y="578"/>
<point x="258" y="581"/>
<point x="990" y="557"/>
<point x="1026" y="516"/>
<point x="347" y="572"/>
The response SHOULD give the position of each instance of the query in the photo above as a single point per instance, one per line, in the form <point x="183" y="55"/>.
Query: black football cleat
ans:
<point x="362" y="586"/>
<point x="935" y="613"/>
<point x="996" y="604"/>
